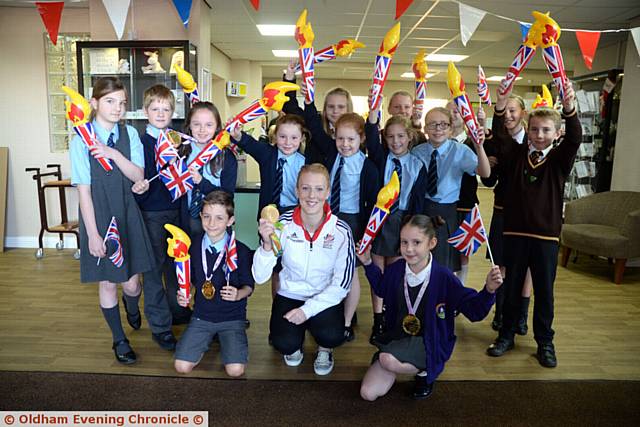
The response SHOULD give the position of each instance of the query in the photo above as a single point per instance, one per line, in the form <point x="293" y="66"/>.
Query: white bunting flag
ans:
<point x="117" y="11"/>
<point x="470" y="18"/>
<point x="635" y="33"/>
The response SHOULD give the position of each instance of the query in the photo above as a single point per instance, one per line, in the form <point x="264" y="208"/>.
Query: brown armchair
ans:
<point x="603" y="224"/>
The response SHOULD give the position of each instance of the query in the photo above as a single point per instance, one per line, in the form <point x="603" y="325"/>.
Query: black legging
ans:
<point x="326" y="327"/>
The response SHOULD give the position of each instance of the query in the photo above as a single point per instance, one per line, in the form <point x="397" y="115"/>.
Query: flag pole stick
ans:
<point x="151" y="179"/>
<point x="105" y="238"/>
<point x="485" y="230"/>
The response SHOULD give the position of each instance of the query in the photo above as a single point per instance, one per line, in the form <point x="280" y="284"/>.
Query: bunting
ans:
<point x="635" y="33"/>
<point x="117" y="11"/>
<point x="524" y="29"/>
<point x="470" y="18"/>
<point x="51" y="14"/>
<point x="255" y="4"/>
<point x="402" y="6"/>
<point x="184" y="10"/>
<point x="588" y="42"/>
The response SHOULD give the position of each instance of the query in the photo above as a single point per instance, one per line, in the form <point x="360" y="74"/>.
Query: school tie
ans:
<point x="277" y="189"/>
<point x="110" y="142"/>
<point x="196" y="203"/>
<point x="397" y="166"/>
<point x="535" y="157"/>
<point x="432" y="175"/>
<point x="335" y="188"/>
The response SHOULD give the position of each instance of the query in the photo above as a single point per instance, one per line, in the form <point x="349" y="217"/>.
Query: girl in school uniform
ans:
<point x="514" y="125"/>
<point x="103" y="195"/>
<point x="421" y="298"/>
<point x="203" y="123"/>
<point x="446" y="161"/>
<point x="398" y="138"/>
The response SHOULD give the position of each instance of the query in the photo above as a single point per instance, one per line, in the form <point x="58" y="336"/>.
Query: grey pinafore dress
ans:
<point x="111" y="195"/>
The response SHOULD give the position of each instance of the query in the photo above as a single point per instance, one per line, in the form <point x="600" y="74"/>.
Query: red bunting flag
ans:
<point x="51" y="14"/>
<point x="402" y="6"/>
<point x="588" y="41"/>
<point x="255" y="4"/>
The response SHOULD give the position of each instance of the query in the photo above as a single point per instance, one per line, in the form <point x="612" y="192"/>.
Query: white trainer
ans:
<point x="294" y="359"/>
<point x="323" y="364"/>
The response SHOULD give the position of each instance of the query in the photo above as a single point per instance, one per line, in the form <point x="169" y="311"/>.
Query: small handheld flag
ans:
<point x="470" y="235"/>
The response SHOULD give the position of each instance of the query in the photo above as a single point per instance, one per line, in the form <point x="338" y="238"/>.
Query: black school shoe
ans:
<point x="500" y="347"/>
<point x="547" y="355"/>
<point x="421" y="388"/>
<point x="349" y="335"/>
<point x="126" y="358"/>
<point x="135" y="321"/>
<point x="496" y="324"/>
<point x="165" y="340"/>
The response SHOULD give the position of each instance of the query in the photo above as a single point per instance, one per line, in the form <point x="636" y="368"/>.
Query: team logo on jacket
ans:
<point x="328" y="241"/>
<point x="294" y="238"/>
<point x="440" y="308"/>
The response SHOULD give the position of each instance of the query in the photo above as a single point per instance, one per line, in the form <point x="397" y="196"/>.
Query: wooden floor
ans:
<point x="49" y="321"/>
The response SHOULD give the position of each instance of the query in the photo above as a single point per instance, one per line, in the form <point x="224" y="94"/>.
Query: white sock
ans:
<point x="464" y="270"/>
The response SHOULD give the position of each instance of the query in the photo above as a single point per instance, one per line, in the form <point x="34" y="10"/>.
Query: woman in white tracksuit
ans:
<point x="318" y="260"/>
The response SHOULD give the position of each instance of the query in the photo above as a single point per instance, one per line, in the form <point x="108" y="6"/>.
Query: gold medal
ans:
<point x="411" y="324"/>
<point x="174" y="138"/>
<point x="208" y="290"/>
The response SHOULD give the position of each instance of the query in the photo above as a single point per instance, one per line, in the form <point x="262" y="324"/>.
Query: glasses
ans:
<point x="438" y="125"/>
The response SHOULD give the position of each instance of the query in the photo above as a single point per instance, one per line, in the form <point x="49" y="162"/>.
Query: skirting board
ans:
<point x="32" y="242"/>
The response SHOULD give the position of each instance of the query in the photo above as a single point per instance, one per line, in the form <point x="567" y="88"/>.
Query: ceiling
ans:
<point x="430" y="24"/>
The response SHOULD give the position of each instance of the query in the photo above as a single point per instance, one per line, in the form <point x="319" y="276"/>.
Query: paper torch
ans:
<point x="273" y="99"/>
<point x="343" y="48"/>
<point x="386" y="197"/>
<point x="420" y="69"/>
<point x="460" y="98"/>
<point x="271" y="214"/>
<point x="483" y="87"/>
<point x="546" y="100"/>
<point x="548" y="36"/>
<point x="383" y="63"/>
<point x="178" y="249"/>
<point x="304" y="36"/>
<point x="188" y="84"/>
<point x="78" y="111"/>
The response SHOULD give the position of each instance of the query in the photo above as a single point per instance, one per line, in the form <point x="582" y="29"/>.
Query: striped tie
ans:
<point x="335" y="188"/>
<point x="110" y="142"/>
<point x="196" y="203"/>
<point x="398" y="168"/>
<point x="277" y="189"/>
<point x="432" y="175"/>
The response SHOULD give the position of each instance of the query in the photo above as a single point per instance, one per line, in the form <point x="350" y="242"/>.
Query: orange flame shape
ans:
<point x="419" y="66"/>
<point x="454" y="81"/>
<point x="544" y="31"/>
<point x="347" y="47"/>
<point x="389" y="193"/>
<point x="304" y="33"/>
<point x="390" y="42"/>
<point x="274" y="95"/>
<point x="178" y="244"/>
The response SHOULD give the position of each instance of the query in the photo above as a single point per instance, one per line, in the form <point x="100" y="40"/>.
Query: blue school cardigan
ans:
<point x="445" y="295"/>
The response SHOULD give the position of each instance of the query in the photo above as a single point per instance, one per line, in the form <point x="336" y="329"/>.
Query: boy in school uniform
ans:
<point x="158" y="209"/>
<point x="533" y="217"/>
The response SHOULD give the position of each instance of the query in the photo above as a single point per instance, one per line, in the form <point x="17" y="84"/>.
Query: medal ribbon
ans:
<point x="204" y="261"/>
<point x="412" y="308"/>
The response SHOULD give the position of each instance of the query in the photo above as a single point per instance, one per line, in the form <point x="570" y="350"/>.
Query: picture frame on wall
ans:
<point x="205" y="84"/>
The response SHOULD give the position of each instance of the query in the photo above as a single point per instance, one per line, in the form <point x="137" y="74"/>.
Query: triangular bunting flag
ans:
<point x="635" y="33"/>
<point x="117" y="11"/>
<point x="51" y="14"/>
<point x="184" y="10"/>
<point x="524" y="29"/>
<point x="255" y="4"/>
<point x="402" y="6"/>
<point x="470" y="18"/>
<point x="588" y="42"/>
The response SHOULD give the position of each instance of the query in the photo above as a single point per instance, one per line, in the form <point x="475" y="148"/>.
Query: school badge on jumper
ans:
<point x="440" y="310"/>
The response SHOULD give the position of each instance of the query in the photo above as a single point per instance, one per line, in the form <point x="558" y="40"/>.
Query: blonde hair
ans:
<point x="316" y="168"/>
<point x="158" y="93"/>
<point x="441" y="110"/>
<point x="405" y="123"/>
<point x="335" y="91"/>
<point x="547" y="113"/>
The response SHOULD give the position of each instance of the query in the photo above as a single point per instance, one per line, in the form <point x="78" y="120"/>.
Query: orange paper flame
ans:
<point x="274" y="95"/>
<point x="420" y="66"/>
<point x="454" y="81"/>
<point x="178" y="244"/>
<point x="78" y="110"/>
<point x="390" y="42"/>
<point x="304" y="33"/>
<point x="544" y="31"/>
<point x="347" y="47"/>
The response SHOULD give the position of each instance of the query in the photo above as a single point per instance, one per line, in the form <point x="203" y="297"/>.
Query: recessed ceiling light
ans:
<point x="499" y="78"/>
<point x="437" y="57"/>
<point x="410" y="75"/>
<point x="284" y="53"/>
<point x="276" y="30"/>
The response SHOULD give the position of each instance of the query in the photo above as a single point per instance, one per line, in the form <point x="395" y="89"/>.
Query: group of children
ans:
<point x="323" y="173"/>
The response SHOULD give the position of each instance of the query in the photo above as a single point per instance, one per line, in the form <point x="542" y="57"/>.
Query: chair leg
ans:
<point x="619" y="270"/>
<point x="566" y="254"/>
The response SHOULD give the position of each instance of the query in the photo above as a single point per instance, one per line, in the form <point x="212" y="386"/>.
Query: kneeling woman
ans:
<point x="318" y="261"/>
<point x="421" y="298"/>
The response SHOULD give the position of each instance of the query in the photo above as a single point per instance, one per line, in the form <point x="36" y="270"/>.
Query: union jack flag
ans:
<point x="306" y="62"/>
<point x="383" y="64"/>
<point x="421" y="91"/>
<point x="466" y="111"/>
<point x="376" y="219"/>
<point x="552" y="57"/>
<point x="232" y="256"/>
<point x="164" y="151"/>
<point x="483" y="88"/>
<point x="114" y="235"/>
<point x="177" y="178"/>
<point x="183" y="274"/>
<point x="470" y="235"/>
<point x="522" y="58"/>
